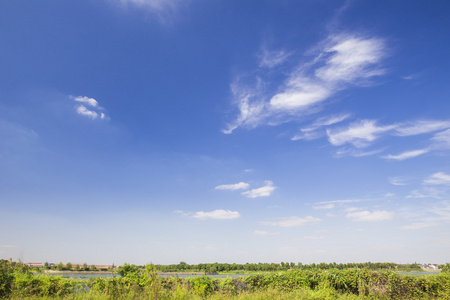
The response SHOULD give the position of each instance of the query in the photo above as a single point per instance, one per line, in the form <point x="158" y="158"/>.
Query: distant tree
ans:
<point x="85" y="267"/>
<point x="77" y="267"/>
<point x="59" y="267"/>
<point x="46" y="266"/>
<point x="69" y="266"/>
<point x="93" y="268"/>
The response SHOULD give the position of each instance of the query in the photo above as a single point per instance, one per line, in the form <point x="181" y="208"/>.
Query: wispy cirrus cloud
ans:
<point x="367" y="216"/>
<point x="273" y="58"/>
<point x="438" y="178"/>
<point x="94" y="110"/>
<point x="311" y="132"/>
<point x="293" y="221"/>
<point x="364" y="133"/>
<point x="341" y="61"/>
<point x="233" y="187"/>
<point x="264" y="191"/>
<point x="218" y="214"/>
<point x="420" y="127"/>
<point x="360" y="134"/>
<point x="406" y="154"/>
<point x="426" y="193"/>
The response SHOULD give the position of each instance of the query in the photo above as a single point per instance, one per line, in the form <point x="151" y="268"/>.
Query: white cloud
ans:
<point x="366" y="216"/>
<point x="411" y="76"/>
<point x="264" y="191"/>
<point x="153" y="5"/>
<point x="438" y="178"/>
<point x="421" y="127"/>
<point x="344" y="60"/>
<point x="300" y="93"/>
<point x="352" y="209"/>
<point x="86" y="100"/>
<point x="93" y="112"/>
<point x="338" y="201"/>
<point x="218" y="214"/>
<point x="325" y="206"/>
<point x="406" y="154"/>
<point x="357" y="152"/>
<point x="415" y="226"/>
<point x="294" y="221"/>
<point x="351" y="58"/>
<point x="310" y="133"/>
<point x="82" y="110"/>
<point x="398" y="180"/>
<point x="359" y="133"/>
<point x="270" y="59"/>
<point x="442" y="139"/>
<point x="426" y="193"/>
<point x="442" y="210"/>
<point x="233" y="187"/>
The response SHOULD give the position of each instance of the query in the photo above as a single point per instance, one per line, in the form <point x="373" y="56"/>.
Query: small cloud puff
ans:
<point x="92" y="112"/>
<point x="218" y="214"/>
<point x="264" y="191"/>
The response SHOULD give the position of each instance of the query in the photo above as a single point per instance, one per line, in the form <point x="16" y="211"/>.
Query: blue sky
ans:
<point x="231" y="131"/>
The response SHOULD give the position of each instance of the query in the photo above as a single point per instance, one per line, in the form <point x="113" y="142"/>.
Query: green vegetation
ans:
<point x="17" y="282"/>
<point x="247" y="268"/>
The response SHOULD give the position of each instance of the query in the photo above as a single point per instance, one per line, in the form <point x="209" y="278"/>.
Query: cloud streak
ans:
<point x="366" y="216"/>
<point x="342" y="60"/>
<point x="233" y="187"/>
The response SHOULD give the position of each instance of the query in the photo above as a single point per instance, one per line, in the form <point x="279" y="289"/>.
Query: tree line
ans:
<point x="283" y="266"/>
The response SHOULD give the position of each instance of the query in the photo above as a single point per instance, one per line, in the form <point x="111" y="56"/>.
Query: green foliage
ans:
<point x="127" y="270"/>
<point x="203" y="285"/>
<point x="16" y="282"/>
<point x="69" y="266"/>
<point x="445" y="268"/>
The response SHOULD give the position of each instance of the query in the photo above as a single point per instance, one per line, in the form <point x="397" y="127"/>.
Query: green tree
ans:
<point x="85" y="267"/>
<point x="69" y="266"/>
<point x="60" y="267"/>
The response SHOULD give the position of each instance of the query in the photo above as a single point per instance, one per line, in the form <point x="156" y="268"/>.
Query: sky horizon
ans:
<point x="229" y="131"/>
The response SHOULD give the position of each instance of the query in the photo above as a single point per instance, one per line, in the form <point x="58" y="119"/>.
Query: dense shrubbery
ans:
<point x="17" y="282"/>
